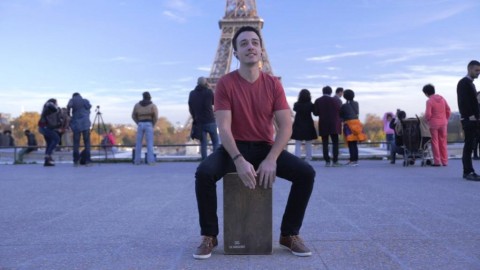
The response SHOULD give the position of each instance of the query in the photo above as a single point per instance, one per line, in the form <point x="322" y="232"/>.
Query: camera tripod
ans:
<point x="98" y="120"/>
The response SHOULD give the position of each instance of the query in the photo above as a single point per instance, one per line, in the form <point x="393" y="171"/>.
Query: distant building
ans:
<point x="5" y="119"/>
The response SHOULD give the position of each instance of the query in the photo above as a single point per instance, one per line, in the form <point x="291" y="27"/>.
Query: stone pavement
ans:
<point x="121" y="216"/>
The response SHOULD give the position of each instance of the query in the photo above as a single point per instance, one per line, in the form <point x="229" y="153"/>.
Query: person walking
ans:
<point x="437" y="113"/>
<point x="47" y="126"/>
<point x="303" y="129"/>
<point x="247" y="103"/>
<point x="79" y="110"/>
<point x="328" y="111"/>
<point x="352" y="128"/>
<point x="200" y="105"/>
<point x="145" y="115"/>
<point x="470" y="116"/>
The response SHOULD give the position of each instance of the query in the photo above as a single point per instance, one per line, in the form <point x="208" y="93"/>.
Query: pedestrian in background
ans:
<point x="145" y="115"/>
<point x="31" y="143"/>
<point x="200" y="106"/>
<point x="389" y="132"/>
<point x="437" y="113"/>
<point x="11" y="140"/>
<point x="338" y="96"/>
<point x="79" y="110"/>
<point x="470" y="116"/>
<point x="303" y="129"/>
<point x="47" y="126"/>
<point x="329" y="125"/>
<point x="352" y="128"/>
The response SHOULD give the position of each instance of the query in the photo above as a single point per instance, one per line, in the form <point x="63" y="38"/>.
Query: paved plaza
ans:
<point x="121" y="216"/>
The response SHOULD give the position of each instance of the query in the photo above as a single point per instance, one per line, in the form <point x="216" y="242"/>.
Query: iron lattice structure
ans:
<point x="238" y="13"/>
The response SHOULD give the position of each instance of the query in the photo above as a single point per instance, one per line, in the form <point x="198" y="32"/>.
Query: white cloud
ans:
<point x="328" y="58"/>
<point x="178" y="10"/>
<point x="395" y="54"/>
<point x="317" y="76"/>
<point x="175" y="17"/>
<point x="450" y="11"/>
<point x="204" y="68"/>
<point x="123" y="59"/>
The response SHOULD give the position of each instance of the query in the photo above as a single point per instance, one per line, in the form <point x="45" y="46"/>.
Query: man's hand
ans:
<point x="246" y="172"/>
<point x="267" y="172"/>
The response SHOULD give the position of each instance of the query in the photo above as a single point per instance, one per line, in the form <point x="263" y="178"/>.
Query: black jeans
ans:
<point x="470" y="132"/>
<point x="289" y="167"/>
<point x="334" y="138"/>
<point x="353" y="150"/>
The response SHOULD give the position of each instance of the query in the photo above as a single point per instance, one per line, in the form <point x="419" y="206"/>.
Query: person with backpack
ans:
<point x="50" y="121"/>
<point x="79" y="109"/>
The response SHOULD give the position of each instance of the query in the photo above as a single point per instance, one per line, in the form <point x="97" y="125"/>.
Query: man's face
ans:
<point x="474" y="71"/>
<point x="249" y="50"/>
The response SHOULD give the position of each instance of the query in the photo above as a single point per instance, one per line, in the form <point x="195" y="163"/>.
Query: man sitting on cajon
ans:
<point x="247" y="101"/>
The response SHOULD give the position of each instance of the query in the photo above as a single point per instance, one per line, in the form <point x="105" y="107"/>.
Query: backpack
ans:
<point x="54" y="120"/>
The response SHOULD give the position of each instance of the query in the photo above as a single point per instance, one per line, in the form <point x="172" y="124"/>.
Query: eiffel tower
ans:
<point x="238" y="13"/>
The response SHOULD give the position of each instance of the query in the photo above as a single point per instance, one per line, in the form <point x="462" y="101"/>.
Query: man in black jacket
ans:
<point x="200" y="105"/>
<point x="470" y="116"/>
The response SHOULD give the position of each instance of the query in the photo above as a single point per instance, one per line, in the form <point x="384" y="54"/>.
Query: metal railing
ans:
<point x="170" y="152"/>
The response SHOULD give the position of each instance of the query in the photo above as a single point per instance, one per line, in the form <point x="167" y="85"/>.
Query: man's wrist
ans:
<point x="237" y="156"/>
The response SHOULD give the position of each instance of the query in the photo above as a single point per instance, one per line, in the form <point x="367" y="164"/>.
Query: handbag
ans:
<point x="196" y="132"/>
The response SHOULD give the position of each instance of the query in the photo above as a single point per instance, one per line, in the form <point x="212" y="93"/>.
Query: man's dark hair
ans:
<point x="473" y="63"/>
<point x="245" y="29"/>
<point x="339" y="90"/>
<point x="429" y="89"/>
<point x="327" y="90"/>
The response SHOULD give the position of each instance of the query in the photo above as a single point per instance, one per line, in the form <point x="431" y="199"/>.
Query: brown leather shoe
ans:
<point x="204" y="251"/>
<point x="295" y="244"/>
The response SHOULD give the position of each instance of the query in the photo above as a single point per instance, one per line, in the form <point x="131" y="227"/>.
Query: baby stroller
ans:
<point x="416" y="142"/>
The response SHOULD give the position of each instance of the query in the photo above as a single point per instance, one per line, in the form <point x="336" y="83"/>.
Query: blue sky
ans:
<point x="111" y="51"/>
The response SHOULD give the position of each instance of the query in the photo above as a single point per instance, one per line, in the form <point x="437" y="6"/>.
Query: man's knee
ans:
<point x="305" y="174"/>
<point x="204" y="174"/>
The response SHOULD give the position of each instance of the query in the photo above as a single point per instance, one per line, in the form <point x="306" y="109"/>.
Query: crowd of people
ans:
<point x="334" y="119"/>
<point x="54" y="122"/>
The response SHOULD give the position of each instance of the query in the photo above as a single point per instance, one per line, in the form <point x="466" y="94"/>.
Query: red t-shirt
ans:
<point x="252" y="105"/>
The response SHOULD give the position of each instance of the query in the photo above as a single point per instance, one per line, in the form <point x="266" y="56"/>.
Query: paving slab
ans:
<point x="122" y="216"/>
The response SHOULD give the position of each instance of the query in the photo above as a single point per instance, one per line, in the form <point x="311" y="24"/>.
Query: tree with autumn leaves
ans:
<point x="164" y="132"/>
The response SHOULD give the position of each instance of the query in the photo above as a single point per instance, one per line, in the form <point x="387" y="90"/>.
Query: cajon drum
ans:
<point x="247" y="218"/>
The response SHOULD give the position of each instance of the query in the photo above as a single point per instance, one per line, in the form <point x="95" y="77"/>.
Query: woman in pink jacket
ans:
<point x="437" y="114"/>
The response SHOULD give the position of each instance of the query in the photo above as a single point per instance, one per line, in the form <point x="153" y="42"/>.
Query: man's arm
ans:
<point x="155" y="115"/>
<point x="190" y="105"/>
<point x="268" y="168"/>
<point x="245" y="170"/>
<point x="134" y="114"/>
<point x="87" y="104"/>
